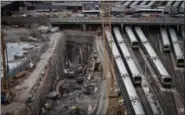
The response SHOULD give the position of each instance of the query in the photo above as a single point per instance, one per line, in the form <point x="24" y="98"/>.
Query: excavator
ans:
<point x="6" y="95"/>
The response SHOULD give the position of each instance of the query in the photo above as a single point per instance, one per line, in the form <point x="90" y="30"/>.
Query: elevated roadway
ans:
<point x="125" y="20"/>
<point x="167" y="20"/>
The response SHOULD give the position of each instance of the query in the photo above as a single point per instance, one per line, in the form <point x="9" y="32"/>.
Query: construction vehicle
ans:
<point x="6" y="95"/>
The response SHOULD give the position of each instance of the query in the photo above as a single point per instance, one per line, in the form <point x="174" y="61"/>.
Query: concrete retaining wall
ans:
<point x="53" y="74"/>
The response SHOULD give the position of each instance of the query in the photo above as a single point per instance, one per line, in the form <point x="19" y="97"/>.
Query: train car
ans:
<point x="173" y="35"/>
<point x="123" y="73"/>
<point x="150" y="51"/>
<point x="176" y="48"/>
<point x="165" y="78"/>
<point x="165" y="40"/>
<point x="176" y="4"/>
<point x="133" y="40"/>
<point x="140" y="35"/>
<point x="178" y="55"/>
<point x="158" y="66"/>
<point x="135" y="74"/>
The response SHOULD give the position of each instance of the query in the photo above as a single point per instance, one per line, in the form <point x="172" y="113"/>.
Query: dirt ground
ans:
<point x="23" y="89"/>
<point x="78" y="53"/>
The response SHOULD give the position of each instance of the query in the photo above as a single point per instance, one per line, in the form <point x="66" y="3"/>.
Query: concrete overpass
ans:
<point x="132" y="21"/>
<point x="85" y="22"/>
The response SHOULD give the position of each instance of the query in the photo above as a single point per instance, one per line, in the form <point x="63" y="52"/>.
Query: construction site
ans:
<point x="92" y="58"/>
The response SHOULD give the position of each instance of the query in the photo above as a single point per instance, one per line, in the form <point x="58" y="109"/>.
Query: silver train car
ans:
<point x="165" y="40"/>
<point x="133" y="40"/>
<point x="179" y="58"/>
<point x="135" y="74"/>
<point x="165" y="78"/>
<point x="132" y="94"/>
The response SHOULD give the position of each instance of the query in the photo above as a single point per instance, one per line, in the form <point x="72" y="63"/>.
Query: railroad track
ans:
<point x="143" y="98"/>
<point x="167" y="62"/>
<point x="140" y="91"/>
<point x="163" y="98"/>
<point x="127" y="104"/>
<point x="166" y="59"/>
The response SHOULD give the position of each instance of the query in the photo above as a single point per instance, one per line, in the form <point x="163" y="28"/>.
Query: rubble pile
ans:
<point x="78" y="89"/>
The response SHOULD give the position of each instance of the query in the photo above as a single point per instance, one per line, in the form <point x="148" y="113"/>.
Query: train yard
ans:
<point x="161" y="67"/>
<point x="86" y="58"/>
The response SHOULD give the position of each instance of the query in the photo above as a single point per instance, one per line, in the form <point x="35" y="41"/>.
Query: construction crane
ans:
<point x="113" y="100"/>
<point x="5" y="92"/>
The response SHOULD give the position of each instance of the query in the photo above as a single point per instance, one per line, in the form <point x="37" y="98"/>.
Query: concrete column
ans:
<point x="0" y="57"/>
<point x="178" y="29"/>
<point x="121" y="27"/>
<point x="84" y="27"/>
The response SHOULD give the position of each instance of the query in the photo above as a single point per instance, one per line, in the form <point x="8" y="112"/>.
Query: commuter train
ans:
<point x="165" y="40"/>
<point x="133" y="40"/>
<point x="125" y="53"/>
<point x="165" y="78"/>
<point x="123" y="73"/>
<point x="176" y="48"/>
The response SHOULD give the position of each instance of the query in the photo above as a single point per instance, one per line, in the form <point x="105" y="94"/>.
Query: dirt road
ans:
<point x="103" y="102"/>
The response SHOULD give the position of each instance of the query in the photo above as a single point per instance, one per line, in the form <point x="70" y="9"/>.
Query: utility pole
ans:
<point x="3" y="51"/>
<point x="0" y="55"/>
<point x="5" y="92"/>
